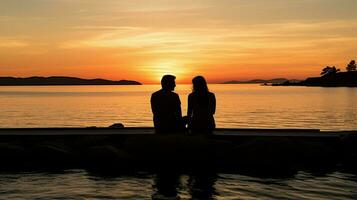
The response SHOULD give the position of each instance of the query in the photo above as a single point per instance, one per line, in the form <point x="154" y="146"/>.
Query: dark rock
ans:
<point x="117" y="125"/>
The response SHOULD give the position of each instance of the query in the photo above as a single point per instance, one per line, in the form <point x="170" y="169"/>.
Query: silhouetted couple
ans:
<point x="166" y="107"/>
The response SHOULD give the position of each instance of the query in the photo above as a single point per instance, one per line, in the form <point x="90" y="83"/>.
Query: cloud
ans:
<point x="8" y="42"/>
<point x="161" y="35"/>
<point x="141" y="38"/>
<point x="4" y="18"/>
<point x="106" y="28"/>
<point x="275" y="42"/>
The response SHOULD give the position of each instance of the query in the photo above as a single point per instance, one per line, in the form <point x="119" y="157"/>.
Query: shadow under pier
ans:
<point x="139" y="149"/>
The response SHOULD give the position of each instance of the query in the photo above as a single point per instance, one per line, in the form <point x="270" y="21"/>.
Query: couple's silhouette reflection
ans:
<point x="199" y="185"/>
<point x="166" y="108"/>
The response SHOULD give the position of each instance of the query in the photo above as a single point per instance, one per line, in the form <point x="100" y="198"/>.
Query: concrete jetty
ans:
<point x="137" y="149"/>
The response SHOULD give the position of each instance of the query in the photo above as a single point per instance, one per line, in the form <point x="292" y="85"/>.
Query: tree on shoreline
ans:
<point x="351" y="66"/>
<point x="329" y="70"/>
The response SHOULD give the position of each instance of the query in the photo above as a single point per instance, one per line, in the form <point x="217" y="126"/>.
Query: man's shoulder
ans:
<point x="156" y="93"/>
<point x="155" y="96"/>
<point x="175" y="94"/>
<point x="165" y="94"/>
<point x="159" y="93"/>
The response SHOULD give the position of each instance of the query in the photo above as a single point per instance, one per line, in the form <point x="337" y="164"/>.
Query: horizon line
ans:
<point x="151" y="83"/>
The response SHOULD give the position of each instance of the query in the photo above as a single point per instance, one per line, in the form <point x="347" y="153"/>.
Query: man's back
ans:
<point x="166" y="107"/>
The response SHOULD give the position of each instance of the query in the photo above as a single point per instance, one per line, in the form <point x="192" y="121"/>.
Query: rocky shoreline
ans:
<point x="341" y="79"/>
<point x="60" y="80"/>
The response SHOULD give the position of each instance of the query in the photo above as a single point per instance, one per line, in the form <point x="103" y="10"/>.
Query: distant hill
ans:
<point x="341" y="79"/>
<point x="273" y="81"/>
<point x="61" y="80"/>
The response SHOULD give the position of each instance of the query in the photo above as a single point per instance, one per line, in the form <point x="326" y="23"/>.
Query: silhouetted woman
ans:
<point x="201" y="107"/>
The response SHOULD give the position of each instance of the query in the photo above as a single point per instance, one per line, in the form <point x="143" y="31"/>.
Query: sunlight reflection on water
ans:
<point x="238" y="106"/>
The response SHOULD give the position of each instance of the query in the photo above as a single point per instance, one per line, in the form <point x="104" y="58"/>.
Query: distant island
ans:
<point x="60" y="80"/>
<point x="330" y="77"/>
<point x="261" y="81"/>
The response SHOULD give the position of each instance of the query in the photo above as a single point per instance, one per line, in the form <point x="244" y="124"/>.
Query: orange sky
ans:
<point x="144" y="39"/>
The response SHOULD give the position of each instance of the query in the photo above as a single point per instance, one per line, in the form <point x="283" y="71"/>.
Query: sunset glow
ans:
<point x="142" y="40"/>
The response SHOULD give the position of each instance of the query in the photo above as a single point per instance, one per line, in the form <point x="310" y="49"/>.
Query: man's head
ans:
<point x="168" y="82"/>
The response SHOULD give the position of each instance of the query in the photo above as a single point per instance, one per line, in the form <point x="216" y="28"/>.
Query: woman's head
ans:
<point x="199" y="84"/>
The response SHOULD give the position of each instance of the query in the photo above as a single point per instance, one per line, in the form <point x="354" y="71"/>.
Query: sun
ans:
<point x="172" y="67"/>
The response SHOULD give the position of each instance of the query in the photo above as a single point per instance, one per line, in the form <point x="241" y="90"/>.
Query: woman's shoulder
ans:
<point x="194" y="94"/>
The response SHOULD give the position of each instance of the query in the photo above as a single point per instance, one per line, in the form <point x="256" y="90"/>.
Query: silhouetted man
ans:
<point x="166" y="107"/>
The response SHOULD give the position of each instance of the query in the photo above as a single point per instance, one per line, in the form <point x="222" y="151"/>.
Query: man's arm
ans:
<point x="153" y="103"/>
<point x="178" y="107"/>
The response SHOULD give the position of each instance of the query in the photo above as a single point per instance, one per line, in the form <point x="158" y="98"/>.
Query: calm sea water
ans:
<point x="242" y="106"/>
<point x="78" y="184"/>
<point x="238" y="106"/>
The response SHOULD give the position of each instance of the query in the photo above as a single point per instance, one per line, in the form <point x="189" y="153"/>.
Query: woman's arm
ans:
<point x="213" y="104"/>
<point x="189" y="106"/>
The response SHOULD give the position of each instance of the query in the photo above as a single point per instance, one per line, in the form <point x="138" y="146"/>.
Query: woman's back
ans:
<point x="201" y="108"/>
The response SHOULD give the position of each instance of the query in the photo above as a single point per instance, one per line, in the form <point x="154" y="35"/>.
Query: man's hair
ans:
<point x="167" y="80"/>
